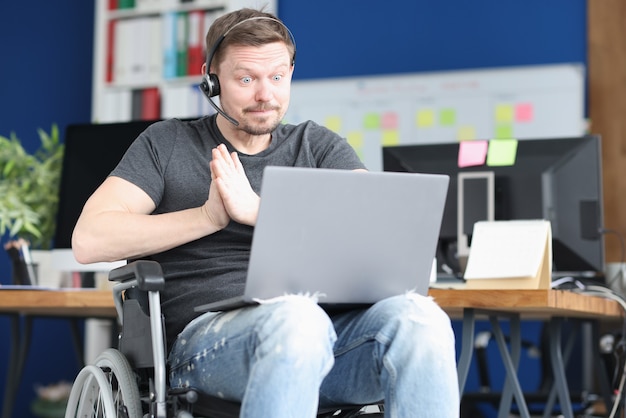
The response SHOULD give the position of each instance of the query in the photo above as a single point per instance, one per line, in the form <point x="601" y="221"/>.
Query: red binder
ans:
<point x="150" y="104"/>
<point x="195" y="39"/>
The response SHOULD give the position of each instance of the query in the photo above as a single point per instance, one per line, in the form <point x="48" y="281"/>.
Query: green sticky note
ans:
<point x="502" y="152"/>
<point x="372" y="121"/>
<point x="447" y="117"/>
<point x="504" y="131"/>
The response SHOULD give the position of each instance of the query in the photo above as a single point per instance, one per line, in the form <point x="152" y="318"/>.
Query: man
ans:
<point x="186" y="195"/>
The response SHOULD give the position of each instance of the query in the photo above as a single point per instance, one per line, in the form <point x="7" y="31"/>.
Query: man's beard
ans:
<point x="255" y="129"/>
<point x="258" y="130"/>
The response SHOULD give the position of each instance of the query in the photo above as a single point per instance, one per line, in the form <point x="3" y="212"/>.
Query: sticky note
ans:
<point x="524" y="112"/>
<point x="504" y="131"/>
<point x="465" y="133"/>
<point x="333" y="123"/>
<point x="371" y="121"/>
<point x="504" y="113"/>
<point x="355" y="139"/>
<point x="502" y="152"/>
<point x="389" y="120"/>
<point x="472" y="153"/>
<point x="447" y="117"/>
<point x="390" y="137"/>
<point x="425" y="118"/>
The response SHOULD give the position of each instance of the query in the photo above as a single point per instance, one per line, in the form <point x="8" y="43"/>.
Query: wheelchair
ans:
<point x="130" y="381"/>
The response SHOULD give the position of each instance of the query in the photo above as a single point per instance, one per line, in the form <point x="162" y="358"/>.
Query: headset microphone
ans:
<point x="209" y="92"/>
<point x="210" y="84"/>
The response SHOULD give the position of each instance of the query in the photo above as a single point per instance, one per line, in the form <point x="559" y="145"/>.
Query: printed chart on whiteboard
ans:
<point x="513" y="102"/>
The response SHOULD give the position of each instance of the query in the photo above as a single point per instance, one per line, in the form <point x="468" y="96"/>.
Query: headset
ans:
<point x="210" y="84"/>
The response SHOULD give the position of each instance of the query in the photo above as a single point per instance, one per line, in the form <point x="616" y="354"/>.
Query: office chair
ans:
<point x="130" y="381"/>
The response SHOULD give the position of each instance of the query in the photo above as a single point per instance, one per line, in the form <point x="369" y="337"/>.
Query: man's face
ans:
<point x="255" y="84"/>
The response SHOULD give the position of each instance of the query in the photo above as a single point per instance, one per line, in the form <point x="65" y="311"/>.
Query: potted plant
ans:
<point x="29" y="188"/>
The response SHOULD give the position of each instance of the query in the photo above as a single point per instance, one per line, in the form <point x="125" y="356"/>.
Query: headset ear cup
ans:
<point x="214" y="85"/>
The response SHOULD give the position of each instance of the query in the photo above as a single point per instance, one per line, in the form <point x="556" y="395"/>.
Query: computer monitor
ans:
<point x="91" y="152"/>
<point x="558" y="179"/>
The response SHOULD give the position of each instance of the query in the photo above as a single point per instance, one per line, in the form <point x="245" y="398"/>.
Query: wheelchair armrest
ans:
<point x="148" y="274"/>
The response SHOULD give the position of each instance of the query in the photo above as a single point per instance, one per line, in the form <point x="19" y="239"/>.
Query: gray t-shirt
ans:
<point x="170" y="162"/>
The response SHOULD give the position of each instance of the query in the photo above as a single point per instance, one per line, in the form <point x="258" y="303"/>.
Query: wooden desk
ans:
<point x="66" y="302"/>
<point x="30" y="303"/>
<point x="531" y="304"/>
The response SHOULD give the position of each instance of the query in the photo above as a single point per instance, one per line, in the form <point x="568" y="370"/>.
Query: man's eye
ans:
<point x="278" y="77"/>
<point x="246" y="80"/>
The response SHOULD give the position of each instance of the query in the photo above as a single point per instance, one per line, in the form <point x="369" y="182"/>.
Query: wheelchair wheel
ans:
<point x="106" y="389"/>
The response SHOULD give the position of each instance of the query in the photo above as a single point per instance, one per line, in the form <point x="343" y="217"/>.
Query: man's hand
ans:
<point x="235" y="194"/>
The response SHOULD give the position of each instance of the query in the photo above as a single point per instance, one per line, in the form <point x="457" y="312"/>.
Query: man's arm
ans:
<point x="116" y="224"/>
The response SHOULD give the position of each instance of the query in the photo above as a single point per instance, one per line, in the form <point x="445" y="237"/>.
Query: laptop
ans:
<point x="351" y="238"/>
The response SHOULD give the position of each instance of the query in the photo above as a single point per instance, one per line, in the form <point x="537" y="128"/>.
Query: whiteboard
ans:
<point x="544" y="101"/>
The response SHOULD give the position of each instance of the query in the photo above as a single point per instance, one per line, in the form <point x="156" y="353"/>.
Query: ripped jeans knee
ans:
<point x="225" y="353"/>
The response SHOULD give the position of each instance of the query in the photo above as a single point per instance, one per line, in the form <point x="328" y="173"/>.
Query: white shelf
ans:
<point x="129" y="72"/>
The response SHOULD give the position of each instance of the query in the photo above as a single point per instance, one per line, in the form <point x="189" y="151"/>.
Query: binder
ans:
<point x="169" y="45"/>
<point x="181" y="44"/>
<point x="136" y="104"/>
<point x="150" y="104"/>
<point x="155" y="50"/>
<point x="110" y="62"/>
<point x="510" y="255"/>
<point x="194" y="44"/>
<point x="120" y="48"/>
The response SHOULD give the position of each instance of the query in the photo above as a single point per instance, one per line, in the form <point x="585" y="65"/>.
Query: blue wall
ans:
<point x="45" y="77"/>
<point x="46" y="67"/>
<point x="366" y="37"/>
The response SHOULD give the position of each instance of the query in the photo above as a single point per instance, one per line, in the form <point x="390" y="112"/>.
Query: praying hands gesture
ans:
<point x="230" y="195"/>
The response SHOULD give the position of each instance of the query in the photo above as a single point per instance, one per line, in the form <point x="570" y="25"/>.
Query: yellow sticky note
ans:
<point x="465" y="133"/>
<point x="504" y="131"/>
<point x="502" y="152"/>
<point x="447" y="117"/>
<point x="504" y="113"/>
<point x="472" y="153"/>
<point x="390" y="137"/>
<point x="371" y="121"/>
<point x="333" y="123"/>
<point x="425" y="118"/>
<point x="355" y="139"/>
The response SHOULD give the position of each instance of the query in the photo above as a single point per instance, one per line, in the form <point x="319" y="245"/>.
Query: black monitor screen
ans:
<point x="555" y="179"/>
<point x="91" y="152"/>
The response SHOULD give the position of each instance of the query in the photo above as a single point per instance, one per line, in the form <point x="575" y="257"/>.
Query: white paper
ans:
<point x="507" y="249"/>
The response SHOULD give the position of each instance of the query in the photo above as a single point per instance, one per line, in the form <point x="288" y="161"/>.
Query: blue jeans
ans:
<point x="286" y="357"/>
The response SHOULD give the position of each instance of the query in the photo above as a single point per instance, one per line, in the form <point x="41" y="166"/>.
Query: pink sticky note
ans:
<point x="389" y="120"/>
<point x="524" y="112"/>
<point x="472" y="153"/>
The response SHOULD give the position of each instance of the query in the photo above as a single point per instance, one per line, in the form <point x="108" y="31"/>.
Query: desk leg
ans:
<point x="10" y="388"/>
<point x="78" y="343"/>
<point x="603" y="377"/>
<point x="558" y="368"/>
<point x="567" y="352"/>
<point x="19" y="346"/>
<point x="511" y="361"/>
<point x="467" y="347"/>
